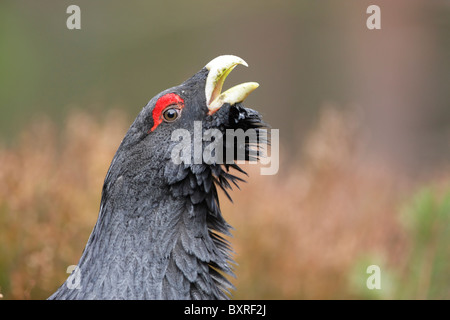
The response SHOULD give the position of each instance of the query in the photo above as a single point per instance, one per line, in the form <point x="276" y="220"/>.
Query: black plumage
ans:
<point x="159" y="229"/>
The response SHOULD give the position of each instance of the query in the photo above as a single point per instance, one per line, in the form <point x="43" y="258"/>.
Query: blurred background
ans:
<point x="364" y="120"/>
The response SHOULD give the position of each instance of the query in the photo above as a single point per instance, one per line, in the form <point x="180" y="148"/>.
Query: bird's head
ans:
<point x="196" y="106"/>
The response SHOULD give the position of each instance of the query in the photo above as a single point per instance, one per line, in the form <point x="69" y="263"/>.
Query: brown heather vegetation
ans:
<point x="308" y="232"/>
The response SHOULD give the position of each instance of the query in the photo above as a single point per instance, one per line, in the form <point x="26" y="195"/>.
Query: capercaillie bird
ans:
<point x="159" y="233"/>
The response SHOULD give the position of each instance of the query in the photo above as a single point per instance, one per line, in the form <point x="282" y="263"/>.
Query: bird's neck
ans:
<point x="154" y="243"/>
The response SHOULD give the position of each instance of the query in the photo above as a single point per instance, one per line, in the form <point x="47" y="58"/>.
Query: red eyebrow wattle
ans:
<point x="162" y="103"/>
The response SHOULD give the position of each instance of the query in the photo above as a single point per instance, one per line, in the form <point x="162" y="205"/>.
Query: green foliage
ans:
<point x="425" y="271"/>
<point x="427" y="219"/>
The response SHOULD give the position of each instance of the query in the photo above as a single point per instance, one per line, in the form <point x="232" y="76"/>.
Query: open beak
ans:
<point x="219" y="68"/>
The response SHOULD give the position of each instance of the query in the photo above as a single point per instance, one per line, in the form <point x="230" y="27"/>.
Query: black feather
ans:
<point x="160" y="231"/>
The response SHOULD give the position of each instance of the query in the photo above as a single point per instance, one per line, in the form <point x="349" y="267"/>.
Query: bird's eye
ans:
<point x="171" y="114"/>
<point x="167" y="108"/>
